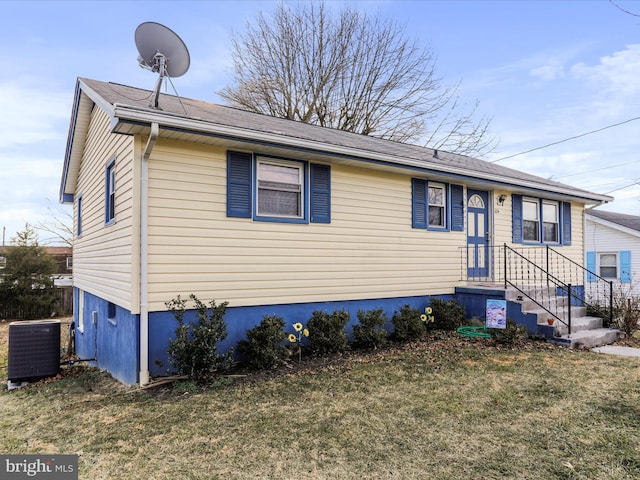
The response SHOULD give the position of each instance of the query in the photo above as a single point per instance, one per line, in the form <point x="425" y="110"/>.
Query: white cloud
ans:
<point x="617" y="74"/>
<point x="31" y="113"/>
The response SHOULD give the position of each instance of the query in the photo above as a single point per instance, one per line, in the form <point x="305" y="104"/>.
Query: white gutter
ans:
<point x="195" y="125"/>
<point x="144" y="249"/>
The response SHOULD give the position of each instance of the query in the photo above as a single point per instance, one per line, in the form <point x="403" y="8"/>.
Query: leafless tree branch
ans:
<point x="353" y="72"/>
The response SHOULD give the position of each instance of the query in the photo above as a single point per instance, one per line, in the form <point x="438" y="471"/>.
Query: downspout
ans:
<point x="144" y="248"/>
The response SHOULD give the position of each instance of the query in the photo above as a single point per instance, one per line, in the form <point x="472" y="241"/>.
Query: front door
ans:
<point x="477" y="233"/>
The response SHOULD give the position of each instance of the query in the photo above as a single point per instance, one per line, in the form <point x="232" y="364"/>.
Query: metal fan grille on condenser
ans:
<point x="34" y="349"/>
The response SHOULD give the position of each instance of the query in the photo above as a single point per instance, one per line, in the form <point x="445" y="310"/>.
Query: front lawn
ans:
<point x="441" y="409"/>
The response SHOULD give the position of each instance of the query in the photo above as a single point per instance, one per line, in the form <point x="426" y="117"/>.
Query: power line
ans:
<point x="566" y="139"/>
<point x="636" y="182"/>
<point x="597" y="169"/>
<point x="622" y="9"/>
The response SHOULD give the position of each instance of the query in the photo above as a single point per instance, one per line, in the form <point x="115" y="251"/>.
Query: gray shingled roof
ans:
<point x="185" y="109"/>
<point x="623" y="219"/>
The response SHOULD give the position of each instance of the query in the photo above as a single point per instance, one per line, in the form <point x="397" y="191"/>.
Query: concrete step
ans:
<point x="578" y="325"/>
<point x="543" y="315"/>
<point x="592" y="338"/>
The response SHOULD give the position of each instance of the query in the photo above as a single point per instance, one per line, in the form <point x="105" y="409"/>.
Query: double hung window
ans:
<point x="541" y="221"/>
<point x="277" y="190"/>
<point x="110" y="213"/>
<point x="531" y="220"/>
<point x="437" y="205"/>
<point x="550" y="222"/>
<point x="280" y="187"/>
<point x="608" y="265"/>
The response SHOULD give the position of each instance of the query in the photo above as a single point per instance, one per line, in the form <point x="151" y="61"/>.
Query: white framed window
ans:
<point x="437" y="205"/>
<point x="110" y="213"/>
<point x="279" y="188"/>
<point x="531" y="220"/>
<point x="69" y="263"/>
<point x="608" y="265"/>
<point x="3" y="262"/>
<point x="551" y="222"/>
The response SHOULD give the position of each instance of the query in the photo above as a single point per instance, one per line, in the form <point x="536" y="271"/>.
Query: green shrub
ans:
<point x="407" y="324"/>
<point x="370" y="332"/>
<point x="447" y="314"/>
<point x="264" y="345"/>
<point x="326" y="332"/>
<point x="193" y="351"/>
<point x="513" y="335"/>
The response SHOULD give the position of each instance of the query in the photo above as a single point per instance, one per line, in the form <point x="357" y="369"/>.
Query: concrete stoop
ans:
<point x="592" y="338"/>
<point x="586" y="332"/>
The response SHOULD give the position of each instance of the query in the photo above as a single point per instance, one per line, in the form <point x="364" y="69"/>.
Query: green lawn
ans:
<point x="446" y="409"/>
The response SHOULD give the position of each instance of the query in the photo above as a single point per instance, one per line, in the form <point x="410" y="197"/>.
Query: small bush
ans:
<point x="447" y="314"/>
<point x="193" y="351"/>
<point x="264" y="345"/>
<point x="326" y="332"/>
<point x="513" y="335"/>
<point x="407" y="324"/>
<point x="370" y="332"/>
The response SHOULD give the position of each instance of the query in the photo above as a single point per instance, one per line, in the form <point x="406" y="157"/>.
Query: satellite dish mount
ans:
<point x="161" y="51"/>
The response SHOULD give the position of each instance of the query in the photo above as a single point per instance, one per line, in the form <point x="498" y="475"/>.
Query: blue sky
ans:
<point x="544" y="71"/>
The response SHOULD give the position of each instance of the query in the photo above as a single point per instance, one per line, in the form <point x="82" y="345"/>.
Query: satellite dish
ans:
<point x="162" y="51"/>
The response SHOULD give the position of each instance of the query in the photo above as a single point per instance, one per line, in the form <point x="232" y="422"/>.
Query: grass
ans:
<point x="441" y="409"/>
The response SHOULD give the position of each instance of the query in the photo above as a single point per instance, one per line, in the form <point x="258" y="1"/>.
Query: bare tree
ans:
<point x="58" y="226"/>
<point x="353" y="72"/>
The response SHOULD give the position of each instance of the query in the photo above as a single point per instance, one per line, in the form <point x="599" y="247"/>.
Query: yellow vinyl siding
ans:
<point x="104" y="254"/>
<point x="368" y="250"/>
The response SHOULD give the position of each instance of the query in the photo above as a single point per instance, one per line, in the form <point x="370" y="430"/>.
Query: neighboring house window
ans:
<point x="541" y="221"/>
<point x="69" y="263"/>
<point x="111" y="192"/>
<point x="608" y="265"/>
<point x="436" y="206"/>
<point x="280" y="187"/>
<point x="269" y="189"/>
<point x="3" y="262"/>
<point x="79" y="219"/>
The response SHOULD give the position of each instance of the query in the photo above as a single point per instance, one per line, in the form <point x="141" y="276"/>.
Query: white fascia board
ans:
<point x="613" y="225"/>
<point x="124" y="112"/>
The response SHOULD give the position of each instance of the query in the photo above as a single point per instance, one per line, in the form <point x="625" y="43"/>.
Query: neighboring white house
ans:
<point x="612" y="245"/>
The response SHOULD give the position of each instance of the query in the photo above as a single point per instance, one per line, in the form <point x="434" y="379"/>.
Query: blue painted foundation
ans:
<point x="162" y="325"/>
<point x="111" y="343"/>
<point x="474" y="299"/>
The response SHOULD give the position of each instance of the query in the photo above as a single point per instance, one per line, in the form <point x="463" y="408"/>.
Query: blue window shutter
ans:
<point x="320" y="193"/>
<point x="457" y="208"/>
<point x="418" y="203"/>
<point x="591" y="266"/>
<point x="239" y="171"/>
<point x="516" y="218"/>
<point x="566" y="223"/>
<point x="625" y="266"/>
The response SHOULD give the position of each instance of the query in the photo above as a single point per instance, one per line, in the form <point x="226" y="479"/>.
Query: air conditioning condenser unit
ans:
<point x="34" y="350"/>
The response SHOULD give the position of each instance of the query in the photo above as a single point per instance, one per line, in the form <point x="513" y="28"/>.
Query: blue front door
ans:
<point x="477" y="233"/>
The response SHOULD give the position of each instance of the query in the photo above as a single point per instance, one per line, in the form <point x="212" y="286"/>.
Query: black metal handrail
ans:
<point x="537" y="284"/>
<point x="543" y="274"/>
